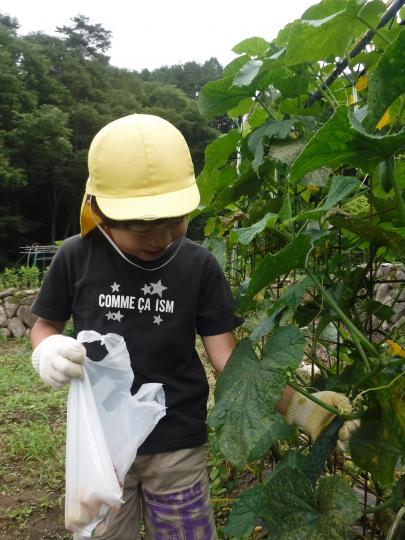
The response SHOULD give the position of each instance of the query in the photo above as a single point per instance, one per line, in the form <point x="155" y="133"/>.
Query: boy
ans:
<point x="133" y="272"/>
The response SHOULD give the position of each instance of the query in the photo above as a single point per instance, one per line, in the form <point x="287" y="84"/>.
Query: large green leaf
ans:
<point x="285" y="213"/>
<point x="218" y="248"/>
<point x="373" y="448"/>
<point x="324" y="9"/>
<point x="246" y="395"/>
<point x="387" y="80"/>
<point x="218" y="152"/>
<point x="289" y="300"/>
<point x="294" y="511"/>
<point x="392" y="402"/>
<point x="291" y="83"/>
<point x="251" y="504"/>
<point x="246" y="510"/>
<point x="340" y="188"/>
<point x="271" y="130"/>
<point x="292" y="257"/>
<point x="342" y="140"/>
<point x="247" y="105"/>
<point x="245" y="184"/>
<point x="235" y="65"/>
<point x="284" y="350"/>
<point x="254" y="46"/>
<point x="209" y="184"/>
<point x="377" y="309"/>
<point x="277" y="430"/>
<point x="373" y="233"/>
<point x="245" y="235"/>
<point x="216" y="174"/>
<point x="218" y="97"/>
<point x="243" y="398"/>
<point x="289" y="490"/>
<point x="338" y="506"/>
<point x="397" y="399"/>
<point x="248" y="73"/>
<point x="290" y="506"/>
<point x="313" y="39"/>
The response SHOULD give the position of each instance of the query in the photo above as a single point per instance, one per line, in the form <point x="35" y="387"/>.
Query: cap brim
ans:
<point x="173" y="204"/>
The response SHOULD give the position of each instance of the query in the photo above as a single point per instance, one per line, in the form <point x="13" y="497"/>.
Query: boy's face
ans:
<point x="148" y="240"/>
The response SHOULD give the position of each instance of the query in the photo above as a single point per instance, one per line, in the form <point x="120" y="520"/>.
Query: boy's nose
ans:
<point x="162" y="237"/>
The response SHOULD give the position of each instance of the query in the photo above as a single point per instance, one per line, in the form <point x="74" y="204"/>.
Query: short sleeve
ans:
<point x="216" y="305"/>
<point x="54" y="300"/>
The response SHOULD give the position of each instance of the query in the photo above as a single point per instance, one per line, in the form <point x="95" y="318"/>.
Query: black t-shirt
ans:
<point x="157" y="312"/>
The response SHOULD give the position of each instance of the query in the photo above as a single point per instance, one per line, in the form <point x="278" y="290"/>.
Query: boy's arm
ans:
<point x="44" y="328"/>
<point x="56" y="358"/>
<point x="219" y="349"/>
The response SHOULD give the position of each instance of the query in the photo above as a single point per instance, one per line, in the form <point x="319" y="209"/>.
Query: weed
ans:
<point x="46" y="504"/>
<point x="20" y="514"/>
<point x="69" y="331"/>
<point x="221" y="473"/>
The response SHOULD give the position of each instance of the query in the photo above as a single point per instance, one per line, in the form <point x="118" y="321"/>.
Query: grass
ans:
<point x="32" y="439"/>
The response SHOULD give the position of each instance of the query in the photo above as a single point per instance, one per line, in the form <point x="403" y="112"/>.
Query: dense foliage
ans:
<point x="305" y="198"/>
<point x="56" y="92"/>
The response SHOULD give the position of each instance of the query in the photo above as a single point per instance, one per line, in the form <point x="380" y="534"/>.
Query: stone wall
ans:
<point x="392" y="293"/>
<point x="16" y="319"/>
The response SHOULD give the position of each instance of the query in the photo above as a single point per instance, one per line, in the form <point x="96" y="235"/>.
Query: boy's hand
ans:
<point x="58" y="359"/>
<point x="313" y="418"/>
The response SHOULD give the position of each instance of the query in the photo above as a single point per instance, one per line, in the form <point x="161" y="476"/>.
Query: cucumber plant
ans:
<point x="304" y="200"/>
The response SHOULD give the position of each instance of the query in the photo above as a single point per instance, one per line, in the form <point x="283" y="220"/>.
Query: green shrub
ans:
<point x="21" y="277"/>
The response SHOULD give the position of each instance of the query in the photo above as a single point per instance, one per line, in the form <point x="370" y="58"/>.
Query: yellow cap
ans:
<point x="139" y="168"/>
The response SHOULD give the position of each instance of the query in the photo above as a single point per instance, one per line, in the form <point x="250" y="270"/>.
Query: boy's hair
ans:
<point x="140" y="168"/>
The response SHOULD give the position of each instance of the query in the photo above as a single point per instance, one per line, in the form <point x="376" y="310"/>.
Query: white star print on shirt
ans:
<point x="117" y="316"/>
<point x="158" y="288"/>
<point x="157" y="320"/>
<point x="146" y="289"/>
<point x="115" y="287"/>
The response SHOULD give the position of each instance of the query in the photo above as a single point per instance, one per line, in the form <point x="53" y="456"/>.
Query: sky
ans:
<point x="152" y="33"/>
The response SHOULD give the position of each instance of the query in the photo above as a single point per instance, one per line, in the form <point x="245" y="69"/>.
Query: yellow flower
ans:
<point x="395" y="349"/>
<point x="259" y="296"/>
<point x="362" y="83"/>
<point x="384" y="120"/>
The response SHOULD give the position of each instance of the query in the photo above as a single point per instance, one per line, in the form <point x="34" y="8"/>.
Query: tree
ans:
<point x="91" y="40"/>
<point x="189" y="77"/>
<point x="41" y="144"/>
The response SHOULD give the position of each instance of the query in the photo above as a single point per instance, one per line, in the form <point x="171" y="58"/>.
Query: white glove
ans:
<point x="313" y="418"/>
<point x="58" y="359"/>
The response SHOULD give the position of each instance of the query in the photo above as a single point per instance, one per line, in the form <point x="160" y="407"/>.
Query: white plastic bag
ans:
<point x="105" y="427"/>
